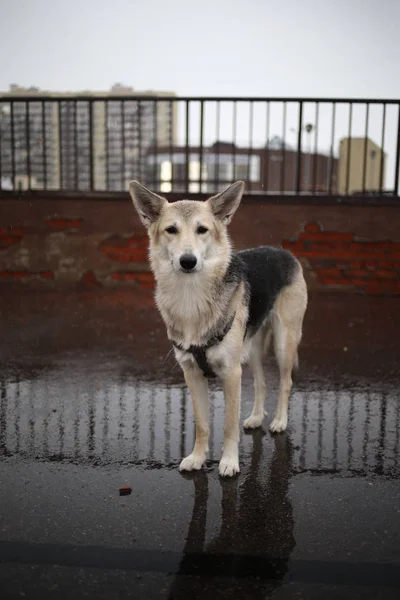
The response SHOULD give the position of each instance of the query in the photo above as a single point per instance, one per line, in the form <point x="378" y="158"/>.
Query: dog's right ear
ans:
<point x="225" y="204"/>
<point x="147" y="203"/>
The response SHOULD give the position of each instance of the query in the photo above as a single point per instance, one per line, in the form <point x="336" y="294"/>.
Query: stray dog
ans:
<point x="220" y="309"/>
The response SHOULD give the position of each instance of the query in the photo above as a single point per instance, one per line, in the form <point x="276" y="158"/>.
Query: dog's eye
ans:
<point x="172" y="229"/>
<point x="202" y="229"/>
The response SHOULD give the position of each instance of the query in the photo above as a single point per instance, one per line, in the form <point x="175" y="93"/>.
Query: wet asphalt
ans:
<point x="90" y="401"/>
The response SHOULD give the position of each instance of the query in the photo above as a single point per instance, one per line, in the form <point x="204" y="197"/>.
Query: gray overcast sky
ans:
<point x="211" y="47"/>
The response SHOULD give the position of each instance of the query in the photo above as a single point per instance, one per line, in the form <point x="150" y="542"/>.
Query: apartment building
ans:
<point x="81" y="140"/>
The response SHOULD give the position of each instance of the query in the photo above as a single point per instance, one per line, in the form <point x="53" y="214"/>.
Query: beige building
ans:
<point x="59" y="137"/>
<point x="351" y="177"/>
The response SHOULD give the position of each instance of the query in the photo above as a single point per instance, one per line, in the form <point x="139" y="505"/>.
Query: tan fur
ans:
<point x="193" y="305"/>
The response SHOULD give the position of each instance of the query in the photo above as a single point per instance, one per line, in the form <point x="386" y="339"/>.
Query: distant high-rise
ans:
<point x="87" y="139"/>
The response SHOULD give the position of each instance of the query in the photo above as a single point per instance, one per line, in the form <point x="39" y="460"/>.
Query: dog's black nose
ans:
<point x="188" y="262"/>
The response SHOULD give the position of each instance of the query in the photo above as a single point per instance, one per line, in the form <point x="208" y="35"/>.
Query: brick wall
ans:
<point x="342" y="260"/>
<point x="68" y="242"/>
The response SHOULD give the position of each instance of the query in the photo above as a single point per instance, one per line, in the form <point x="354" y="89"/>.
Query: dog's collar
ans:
<point x="199" y="352"/>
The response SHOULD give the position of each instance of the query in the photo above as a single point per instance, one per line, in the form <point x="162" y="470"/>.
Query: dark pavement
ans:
<point x="91" y="400"/>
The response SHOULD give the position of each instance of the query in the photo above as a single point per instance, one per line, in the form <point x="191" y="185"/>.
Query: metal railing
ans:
<point x="353" y="433"/>
<point x="277" y="146"/>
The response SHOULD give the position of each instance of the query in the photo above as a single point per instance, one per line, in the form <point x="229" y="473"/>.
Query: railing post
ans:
<point x="349" y="149"/>
<point x="91" y="157"/>
<point x="60" y="153"/>
<point x="1" y="145"/>
<point x="250" y="153"/>
<point x="234" y="141"/>
<point x="171" y="143"/>
<point x="12" y="132"/>
<point x="123" y="144"/>
<point x="76" y="147"/>
<point x="28" y="144"/>
<point x="266" y="153"/>
<point x="315" y="158"/>
<point x="299" y="147"/>
<point x="217" y="136"/>
<point x="201" y="145"/>
<point x="283" y="151"/>
<point x="187" y="146"/>
<point x="106" y="154"/>
<point x="332" y="152"/>
<point x="382" y="149"/>
<point x="156" y="170"/>
<point x="397" y="173"/>
<point x="44" y="146"/>
<point x="365" y="148"/>
<point x="142" y="165"/>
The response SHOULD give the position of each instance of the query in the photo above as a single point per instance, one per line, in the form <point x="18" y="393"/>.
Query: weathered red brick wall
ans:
<point x="338" y="259"/>
<point x="67" y="242"/>
<point x="64" y="242"/>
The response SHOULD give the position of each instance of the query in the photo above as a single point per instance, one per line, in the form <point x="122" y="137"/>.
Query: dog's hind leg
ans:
<point x="259" y="345"/>
<point x="287" y="330"/>
<point x="286" y="350"/>
<point x="229" y="463"/>
<point x="198" y="388"/>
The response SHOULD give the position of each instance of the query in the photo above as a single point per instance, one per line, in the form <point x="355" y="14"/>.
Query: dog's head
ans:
<point x="187" y="236"/>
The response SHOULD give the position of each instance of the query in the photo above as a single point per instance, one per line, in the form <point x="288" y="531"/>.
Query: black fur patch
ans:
<point x="267" y="271"/>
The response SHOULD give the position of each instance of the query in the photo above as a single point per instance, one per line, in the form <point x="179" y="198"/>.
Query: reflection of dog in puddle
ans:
<point x="249" y="555"/>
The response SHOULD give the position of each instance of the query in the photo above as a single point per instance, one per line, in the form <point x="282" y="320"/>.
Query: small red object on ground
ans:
<point x="125" y="490"/>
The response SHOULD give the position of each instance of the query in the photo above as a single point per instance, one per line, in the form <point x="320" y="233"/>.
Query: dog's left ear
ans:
<point x="225" y="204"/>
<point x="147" y="203"/>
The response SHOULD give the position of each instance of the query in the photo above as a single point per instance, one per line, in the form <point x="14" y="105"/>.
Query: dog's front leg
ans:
<point x="198" y="388"/>
<point x="229" y="464"/>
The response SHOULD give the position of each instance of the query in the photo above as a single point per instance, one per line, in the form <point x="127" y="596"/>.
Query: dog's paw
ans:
<point x="254" y="421"/>
<point x="193" y="462"/>
<point x="228" y="467"/>
<point x="278" y="425"/>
